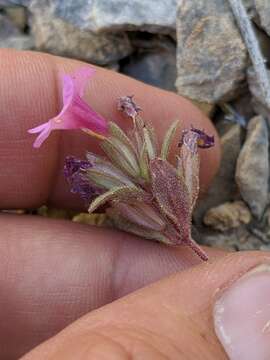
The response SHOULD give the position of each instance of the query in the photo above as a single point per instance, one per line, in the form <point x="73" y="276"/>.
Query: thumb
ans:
<point x="196" y="314"/>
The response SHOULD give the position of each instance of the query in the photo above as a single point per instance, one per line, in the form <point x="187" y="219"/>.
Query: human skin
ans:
<point x="52" y="272"/>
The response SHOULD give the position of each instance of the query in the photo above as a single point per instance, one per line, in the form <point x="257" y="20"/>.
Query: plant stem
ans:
<point x="197" y="249"/>
<point x="253" y="47"/>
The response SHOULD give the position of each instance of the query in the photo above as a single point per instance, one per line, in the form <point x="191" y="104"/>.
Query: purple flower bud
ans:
<point x="75" y="173"/>
<point x="196" y="138"/>
<point x="128" y="106"/>
<point x="204" y="141"/>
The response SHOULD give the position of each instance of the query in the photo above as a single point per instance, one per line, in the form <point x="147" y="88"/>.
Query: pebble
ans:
<point x="252" y="170"/>
<point x="228" y="216"/>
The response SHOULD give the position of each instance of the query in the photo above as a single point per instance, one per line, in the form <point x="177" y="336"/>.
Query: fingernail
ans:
<point x="242" y="316"/>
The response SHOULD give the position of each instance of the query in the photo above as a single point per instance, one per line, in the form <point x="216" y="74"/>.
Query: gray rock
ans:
<point x="5" y="3"/>
<point x="157" y="67"/>
<point x="18" y="15"/>
<point x="252" y="171"/>
<point x="211" y="55"/>
<point x="56" y="36"/>
<point x="114" y="15"/>
<point x="264" y="43"/>
<point x="114" y="66"/>
<point x="262" y="8"/>
<point x="261" y="229"/>
<point x="228" y="216"/>
<point x="11" y="37"/>
<point x="223" y="188"/>
<point x="237" y="239"/>
<point x="259" y="102"/>
<point x="19" y="42"/>
<point x="7" y="28"/>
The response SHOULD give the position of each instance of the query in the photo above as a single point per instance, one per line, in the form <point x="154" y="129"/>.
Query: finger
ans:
<point x="52" y="272"/>
<point x="171" y="319"/>
<point x="30" y="93"/>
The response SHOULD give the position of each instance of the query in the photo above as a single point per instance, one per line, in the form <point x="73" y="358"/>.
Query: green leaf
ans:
<point x="106" y="175"/>
<point x="142" y="214"/>
<point x="168" y="140"/>
<point x="150" y="146"/>
<point x="118" y="193"/>
<point x="125" y="225"/>
<point x="144" y="163"/>
<point x="121" y="155"/>
<point x="117" y="132"/>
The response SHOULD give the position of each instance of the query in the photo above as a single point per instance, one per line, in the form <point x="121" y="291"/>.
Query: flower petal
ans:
<point x="76" y="113"/>
<point x="81" y="77"/>
<point x="38" y="128"/>
<point x="42" y="136"/>
<point x="75" y="171"/>
<point x="68" y="90"/>
<point x="85" y="117"/>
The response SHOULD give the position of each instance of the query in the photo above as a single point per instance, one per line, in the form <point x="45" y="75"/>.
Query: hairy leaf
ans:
<point x="106" y="175"/>
<point x="150" y="146"/>
<point x="141" y="214"/>
<point x="117" y="132"/>
<point x="189" y="167"/>
<point x="121" y="156"/>
<point x="118" y="193"/>
<point x="171" y="194"/>
<point x="168" y="139"/>
<point x="144" y="163"/>
<point x="123" y="224"/>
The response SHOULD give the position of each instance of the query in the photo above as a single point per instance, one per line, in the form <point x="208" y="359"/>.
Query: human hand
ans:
<point x="52" y="272"/>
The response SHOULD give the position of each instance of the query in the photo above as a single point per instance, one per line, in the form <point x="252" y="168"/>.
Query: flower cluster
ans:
<point x="141" y="191"/>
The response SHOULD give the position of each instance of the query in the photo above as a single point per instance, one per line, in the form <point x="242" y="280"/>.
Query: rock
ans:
<point x="237" y="239"/>
<point x="156" y="67"/>
<point x="223" y="188"/>
<point x="261" y="229"/>
<point x="114" y="66"/>
<point x="56" y="36"/>
<point x="19" y="42"/>
<point x="118" y="15"/>
<point x="262" y="9"/>
<point x="211" y="55"/>
<point x="243" y="107"/>
<point x="259" y="103"/>
<point x="205" y="107"/>
<point x="144" y="41"/>
<point x="264" y="43"/>
<point x="11" y="37"/>
<point x="228" y="216"/>
<point x="7" y="28"/>
<point x="10" y="3"/>
<point x="252" y="170"/>
<point x="17" y="14"/>
<point x="239" y="111"/>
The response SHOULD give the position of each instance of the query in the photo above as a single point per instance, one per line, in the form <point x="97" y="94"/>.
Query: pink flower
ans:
<point x="76" y="113"/>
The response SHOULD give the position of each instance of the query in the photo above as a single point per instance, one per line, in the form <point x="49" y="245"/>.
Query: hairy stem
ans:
<point x="253" y="47"/>
<point x="197" y="249"/>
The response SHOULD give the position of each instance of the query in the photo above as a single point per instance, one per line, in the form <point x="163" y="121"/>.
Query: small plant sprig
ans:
<point x="141" y="191"/>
